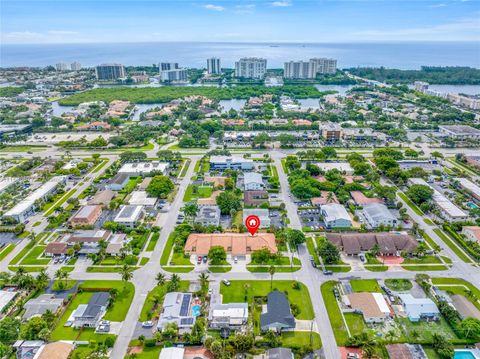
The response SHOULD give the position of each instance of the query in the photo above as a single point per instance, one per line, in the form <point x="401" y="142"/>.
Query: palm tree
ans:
<point x="126" y="273"/>
<point x="271" y="270"/>
<point x="203" y="278"/>
<point x="42" y="279"/>
<point x="190" y="210"/>
<point x="330" y="197"/>
<point x="160" y="278"/>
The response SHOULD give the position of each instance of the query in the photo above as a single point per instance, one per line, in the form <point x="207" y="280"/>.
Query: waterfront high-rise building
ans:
<point x="167" y="66"/>
<point x="297" y="70"/>
<point x="323" y="65"/>
<point x="61" y="66"/>
<point x="106" y="72"/>
<point x="251" y="67"/>
<point x="75" y="66"/>
<point x="213" y="66"/>
<point x="174" y="75"/>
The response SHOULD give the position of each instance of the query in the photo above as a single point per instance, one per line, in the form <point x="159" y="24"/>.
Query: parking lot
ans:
<point x="311" y="218"/>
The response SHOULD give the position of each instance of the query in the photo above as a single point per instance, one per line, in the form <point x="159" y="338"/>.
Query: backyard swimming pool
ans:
<point x="466" y="354"/>
<point x="472" y="205"/>
<point x="196" y="310"/>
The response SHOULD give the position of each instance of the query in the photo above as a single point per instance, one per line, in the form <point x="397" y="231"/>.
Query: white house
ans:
<point x="129" y="215"/>
<point x="335" y="216"/>
<point x="253" y="181"/>
<point x="419" y="308"/>
<point x="262" y="213"/>
<point x="377" y="214"/>
<point x="472" y="233"/>
<point x="143" y="168"/>
<point x="230" y="162"/>
<point x="231" y="315"/>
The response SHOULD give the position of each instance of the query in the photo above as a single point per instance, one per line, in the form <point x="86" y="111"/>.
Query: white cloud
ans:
<point x="437" y="6"/>
<point x="244" y="9"/>
<point x="214" y="7"/>
<point x="281" y="4"/>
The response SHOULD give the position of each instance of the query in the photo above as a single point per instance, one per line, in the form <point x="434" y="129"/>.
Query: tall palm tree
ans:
<point x="160" y="278"/>
<point x="203" y="278"/>
<point x="42" y="279"/>
<point x="271" y="270"/>
<point x="190" y="210"/>
<point x="126" y="273"/>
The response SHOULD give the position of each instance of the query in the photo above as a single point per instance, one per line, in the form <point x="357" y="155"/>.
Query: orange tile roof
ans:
<point x="360" y="199"/>
<point x="234" y="243"/>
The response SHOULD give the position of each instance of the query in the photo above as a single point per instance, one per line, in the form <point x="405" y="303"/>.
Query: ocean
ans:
<point x="402" y="55"/>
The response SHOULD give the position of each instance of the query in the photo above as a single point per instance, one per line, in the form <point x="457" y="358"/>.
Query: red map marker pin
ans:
<point x="252" y="222"/>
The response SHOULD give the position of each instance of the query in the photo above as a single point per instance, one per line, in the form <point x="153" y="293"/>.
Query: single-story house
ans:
<point x="89" y="315"/>
<point x="197" y="353"/>
<point x="118" y="182"/>
<point x="419" y="308"/>
<point x="231" y="315"/>
<point x="373" y="306"/>
<point x="56" y="350"/>
<point x="6" y="297"/>
<point x="217" y="181"/>
<point x="37" y="306"/>
<point x="103" y="198"/>
<point x="335" y="216"/>
<point x="278" y="315"/>
<point x="465" y="307"/>
<point x="141" y="198"/>
<point x="325" y="197"/>
<point x="172" y="353"/>
<point x="115" y="244"/>
<point x="55" y="249"/>
<point x="255" y="198"/>
<point x="360" y="199"/>
<point x="143" y="168"/>
<point x="237" y="244"/>
<point x="471" y="233"/>
<point x="177" y="308"/>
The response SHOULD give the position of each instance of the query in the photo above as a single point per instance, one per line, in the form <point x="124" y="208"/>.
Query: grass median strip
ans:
<point x="412" y="205"/>
<point x="455" y="248"/>
<point x="336" y="321"/>
<point x="61" y="201"/>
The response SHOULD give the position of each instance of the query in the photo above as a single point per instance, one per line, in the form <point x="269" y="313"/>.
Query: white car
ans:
<point x="147" y="324"/>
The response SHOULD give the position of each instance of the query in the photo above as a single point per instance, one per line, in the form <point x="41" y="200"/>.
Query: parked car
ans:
<point x="226" y="282"/>
<point x="199" y="260"/>
<point x="235" y="259"/>
<point x="327" y="272"/>
<point x="205" y="259"/>
<point x="147" y="324"/>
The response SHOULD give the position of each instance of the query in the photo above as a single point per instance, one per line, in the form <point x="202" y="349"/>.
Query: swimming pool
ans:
<point x="196" y="310"/>
<point x="472" y="205"/>
<point x="466" y="354"/>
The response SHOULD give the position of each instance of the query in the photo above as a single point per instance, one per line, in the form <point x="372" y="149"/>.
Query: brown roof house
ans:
<point x="325" y="197"/>
<point x="389" y="243"/>
<point x="217" y="181"/>
<point x="255" y="198"/>
<point x="86" y="216"/>
<point x="56" y="350"/>
<point x="373" y="306"/>
<point x="103" y="198"/>
<point x="360" y="199"/>
<point x="234" y="243"/>
<point x="55" y="249"/>
<point x="406" y="351"/>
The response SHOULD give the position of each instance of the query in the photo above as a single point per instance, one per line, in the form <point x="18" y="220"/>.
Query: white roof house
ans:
<point x="473" y="188"/>
<point x="143" y="168"/>
<point x="5" y="298"/>
<point x="231" y="315"/>
<point x="177" y="308"/>
<point x="231" y="162"/>
<point x="129" y="215"/>
<point x="419" y="308"/>
<point x="335" y="215"/>
<point x="377" y="214"/>
<point x="172" y="353"/>
<point x="341" y="166"/>
<point x="25" y="207"/>
<point x="262" y="213"/>
<point x="253" y="181"/>
<point x="450" y="211"/>
<point x="139" y="198"/>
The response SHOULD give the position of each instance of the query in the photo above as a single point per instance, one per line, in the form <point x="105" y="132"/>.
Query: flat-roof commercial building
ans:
<point x="12" y="130"/>
<point x="449" y="211"/>
<point x="230" y="162"/>
<point x="389" y="243"/>
<point x="251" y="67"/>
<point x="373" y="306"/>
<point x="141" y="198"/>
<point x="231" y="315"/>
<point x="378" y="214"/>
<point x="253" y="181"/>
<point x="262" y="213"/>
<point x="236" y="244"/>
<point x="174" y="75"/>
<point x="460" y="132"/>
<point x="143" y="168"/>
<point x="419" y="308"/>
<point x="27" y="206"/>
<point x="109" y="72"/>
<point x="335" y="216"/>
<point x="6" y="183"/>
<point x="129" y="215"/>
<point x="86" y="216"/>
<point x="331" y="131"/>
<point x="343" y="167"/>
<point x="6" y="297"/>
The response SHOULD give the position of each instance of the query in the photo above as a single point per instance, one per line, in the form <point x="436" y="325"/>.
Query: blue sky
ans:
<point x="70" y="21"/>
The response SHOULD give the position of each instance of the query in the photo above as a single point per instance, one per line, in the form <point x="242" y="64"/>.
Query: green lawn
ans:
<point x="265" y="269"/>
<point x="412" y="205"/>
<point x="6" y="251"/>
<point x="202" y="192"/>
<point x="338" y="269"/>
<point x="178" y="269"/>
<point x="31" y="257"/>
<point x="144" y="260"/>
<point x="28" y="269"/>
<point x="427" y="329"/>
<point x="334" y="313"/>
<point x="126" y="290"/>
<point x="68" y="333"/>
<point x="355" y="323"/>
<point x="167" y="250"/>
<point x="420" y="267"/>
<point x="449" y="242"/>
<point x="23" y="252"/>
<point x="157" y="294"/>
<point x="428" y="221"/>
<point x="149" y="353"/>
<point x="311" y="249"/>
<point x="220" y="269"/>
<point x="455" y="286"/>
<point x="399" y="284"/>
<point x="180" y="259"/>
<point x="374" y="268"/>
<point x="296" y="339"/>
<point x="152" y="242"/>
<point x="106" y="269"/>
<point x="62" y="200"/>
<point x="365" y="285"/>
<point x="57" y="285"/>
<point x="235" y="293"/>
<point x="100" y="166"/>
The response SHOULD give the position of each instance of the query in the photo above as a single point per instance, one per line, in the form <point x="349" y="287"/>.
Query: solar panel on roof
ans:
<point x="185" y="305"/>
<point x="186" y="321"/>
